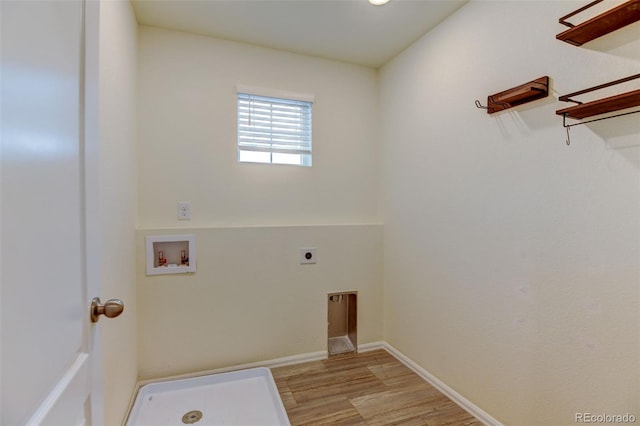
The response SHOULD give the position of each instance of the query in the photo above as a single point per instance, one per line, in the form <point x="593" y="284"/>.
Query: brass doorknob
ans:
<point x="110" y="309"/>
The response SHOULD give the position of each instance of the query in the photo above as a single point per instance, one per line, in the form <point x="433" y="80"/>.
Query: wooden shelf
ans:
<point x="601" y="106"/>
<point x="527" y="92"/>
<point x="611" y="20"/>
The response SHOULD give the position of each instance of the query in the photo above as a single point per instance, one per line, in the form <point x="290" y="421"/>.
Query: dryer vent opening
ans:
<point x="342" y="314"/>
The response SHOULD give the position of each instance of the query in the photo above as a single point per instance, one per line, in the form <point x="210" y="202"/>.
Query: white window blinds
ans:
<point x="274" y="130"/>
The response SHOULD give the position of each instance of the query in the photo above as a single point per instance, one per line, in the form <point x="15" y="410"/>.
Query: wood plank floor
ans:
<point x="370" y="388"/>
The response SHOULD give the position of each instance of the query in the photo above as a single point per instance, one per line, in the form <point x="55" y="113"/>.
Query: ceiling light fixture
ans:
<point x="378" y="2"/>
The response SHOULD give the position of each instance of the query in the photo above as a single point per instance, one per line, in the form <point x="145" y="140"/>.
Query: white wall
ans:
<point x="511" y="260"/>
<point x="118" y="201"/>
<point x="188" y="140"/>
<point x="250" y="299"/>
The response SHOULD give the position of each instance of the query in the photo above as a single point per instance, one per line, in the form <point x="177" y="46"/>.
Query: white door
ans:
<point x="46" y="334"/>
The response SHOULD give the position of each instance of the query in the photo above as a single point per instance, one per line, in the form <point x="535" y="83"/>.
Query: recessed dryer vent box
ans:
<point x="171" y="254"/>
<point x="342" y="323"/>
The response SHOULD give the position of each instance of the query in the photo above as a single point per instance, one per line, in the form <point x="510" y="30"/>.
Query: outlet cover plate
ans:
<point x="184" y="210"/>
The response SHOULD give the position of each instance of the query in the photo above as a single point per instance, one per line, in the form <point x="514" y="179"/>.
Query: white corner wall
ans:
<point x="511" y="261"/>
<point x="250" y="299"/>
<point x="118" y="201"/>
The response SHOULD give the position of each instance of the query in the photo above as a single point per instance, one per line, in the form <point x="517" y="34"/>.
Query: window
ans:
<point x="274" y="130"/>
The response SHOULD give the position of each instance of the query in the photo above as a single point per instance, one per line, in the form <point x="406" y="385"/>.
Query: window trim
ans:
<point x="274" y="93"/>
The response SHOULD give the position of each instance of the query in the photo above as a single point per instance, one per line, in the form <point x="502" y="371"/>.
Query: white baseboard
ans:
<point x="366" y="347"/>
<point x="463" y="402"/>
<point x="272" y="363"/>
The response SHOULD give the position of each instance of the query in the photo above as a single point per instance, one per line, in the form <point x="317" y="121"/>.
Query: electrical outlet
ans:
<point x="308" y="255"/>
<point x="184" y="210"/>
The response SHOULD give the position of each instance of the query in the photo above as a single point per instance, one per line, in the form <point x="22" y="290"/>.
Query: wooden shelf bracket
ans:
<point x="614" y="103"/>
<point x="522" y="94"/>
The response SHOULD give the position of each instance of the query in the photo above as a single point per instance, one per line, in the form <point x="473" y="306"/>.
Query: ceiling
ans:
<point x="346" y="30"/>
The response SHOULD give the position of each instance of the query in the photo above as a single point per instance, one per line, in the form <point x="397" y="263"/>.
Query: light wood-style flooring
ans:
<point x="370" y="388"/>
